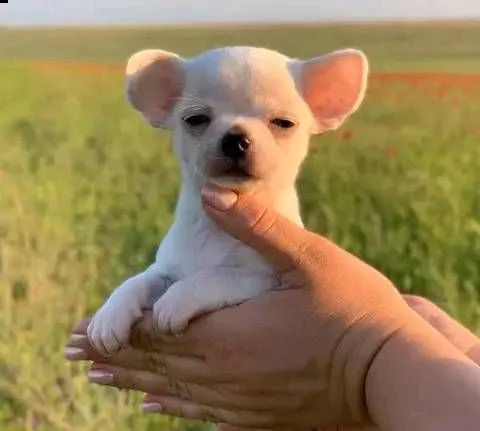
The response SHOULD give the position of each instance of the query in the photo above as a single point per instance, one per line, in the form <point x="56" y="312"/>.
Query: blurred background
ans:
<point x="87" y="190"/>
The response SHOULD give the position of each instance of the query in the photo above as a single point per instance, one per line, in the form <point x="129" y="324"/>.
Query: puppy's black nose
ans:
<point x="235" y="145"/>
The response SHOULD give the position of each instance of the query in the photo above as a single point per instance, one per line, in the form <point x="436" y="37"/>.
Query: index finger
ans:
<point x="144" y="337"/>
<point x="81" y="327"/>
<point x="457" y="334"/>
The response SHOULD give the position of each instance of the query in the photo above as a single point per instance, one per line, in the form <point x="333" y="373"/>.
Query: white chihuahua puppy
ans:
<point x="241" y="117"/>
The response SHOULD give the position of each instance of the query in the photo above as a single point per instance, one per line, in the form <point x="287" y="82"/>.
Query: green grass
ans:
<point x="392" y="47"/>
<point x="87" y="191"/>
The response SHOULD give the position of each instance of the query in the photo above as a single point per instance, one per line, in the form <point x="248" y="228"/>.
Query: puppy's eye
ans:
<point x="197" y="120"/>
<point x="283" y="123"/>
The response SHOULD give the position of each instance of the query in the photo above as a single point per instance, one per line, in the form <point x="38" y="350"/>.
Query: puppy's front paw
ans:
<point x="110" y="328"/>
<point x="172" y="313"/>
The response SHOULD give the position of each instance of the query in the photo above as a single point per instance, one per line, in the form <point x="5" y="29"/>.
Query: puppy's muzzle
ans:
<point x="235" y="144"/>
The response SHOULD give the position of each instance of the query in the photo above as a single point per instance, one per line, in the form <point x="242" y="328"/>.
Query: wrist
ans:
<point x="418" y="380"/>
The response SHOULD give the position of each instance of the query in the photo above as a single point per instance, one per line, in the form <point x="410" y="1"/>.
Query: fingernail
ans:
<point x="75" y="354"/>
<point x="152" y="407"/>
<point x="78" y="338"/>
<point x="100" y="377"/>
<point x="220" y="199"/>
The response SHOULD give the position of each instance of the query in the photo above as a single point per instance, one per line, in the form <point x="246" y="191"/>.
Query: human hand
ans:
<point x="295" y="358"/>
<point x="463" y="339"/>
<point x="134" y="377"/>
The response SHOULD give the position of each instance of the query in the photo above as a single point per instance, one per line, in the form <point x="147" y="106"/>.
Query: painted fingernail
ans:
<point x="100" y="377"/>
<point x="75" y="354"/>
<point x="78" y="340"/>
<point x="78" y="337"/>
<point x="152" y="407"/>
<point x="219" y="199"/>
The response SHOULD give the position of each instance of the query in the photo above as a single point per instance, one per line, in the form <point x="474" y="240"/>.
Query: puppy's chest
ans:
<point x="191" y="247"/>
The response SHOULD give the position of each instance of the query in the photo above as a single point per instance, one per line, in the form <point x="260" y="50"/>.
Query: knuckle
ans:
<point x="173" y="387"/>
<point x="305" y="252"/>
<point x="187" y="410"/>
<point x="125" y="380"/>
<point x="248" y="420"/>
<point x="179" y="389"/>
<point x="310" y="254"/>
<point x="210" y="414"/>
<point x="263" y="222"/>
<point x="154" y="362"/>
<point x="174" y="409"/>
<point x="186" y="391"/>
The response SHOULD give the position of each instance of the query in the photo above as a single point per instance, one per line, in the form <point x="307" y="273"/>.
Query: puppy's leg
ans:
<point x="110" y="328"/>
<point x="207" y="291"/>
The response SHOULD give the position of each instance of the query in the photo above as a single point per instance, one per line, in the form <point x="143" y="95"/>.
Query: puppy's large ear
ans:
<point x="155" y="81"/>
<point x="333" y="86"/>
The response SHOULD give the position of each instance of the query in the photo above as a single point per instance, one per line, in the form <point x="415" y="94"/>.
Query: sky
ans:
<point x="91" y="12"/>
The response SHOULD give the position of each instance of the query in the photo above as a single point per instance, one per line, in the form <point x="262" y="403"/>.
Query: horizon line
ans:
<point x="374" y="22"/>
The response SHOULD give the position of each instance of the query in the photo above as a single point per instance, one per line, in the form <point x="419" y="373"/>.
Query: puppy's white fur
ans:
<point x="198" y="267"/>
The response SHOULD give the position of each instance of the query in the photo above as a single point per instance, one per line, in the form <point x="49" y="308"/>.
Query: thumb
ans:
<point x="252" y="221"/>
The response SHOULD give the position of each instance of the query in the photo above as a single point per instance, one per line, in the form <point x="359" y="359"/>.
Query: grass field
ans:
<point x="87" y="190"/>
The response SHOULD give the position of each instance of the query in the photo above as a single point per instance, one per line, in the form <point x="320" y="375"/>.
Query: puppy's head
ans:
<point x="242" y="116"/>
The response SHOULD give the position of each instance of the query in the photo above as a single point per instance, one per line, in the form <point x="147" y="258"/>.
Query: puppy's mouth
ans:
<point x="231" y="174"/>
<point x="235" y="171"/>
